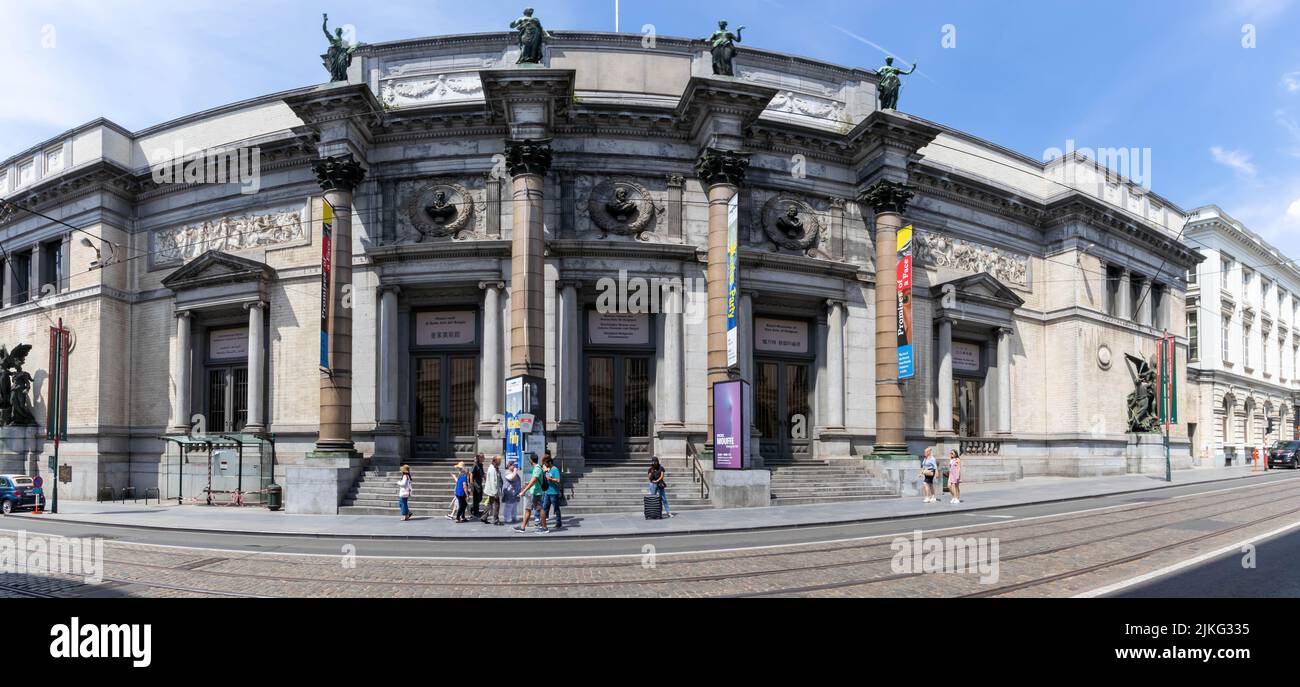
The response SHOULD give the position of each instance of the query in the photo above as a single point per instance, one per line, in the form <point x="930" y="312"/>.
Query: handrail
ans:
<point x="697" y="470"/>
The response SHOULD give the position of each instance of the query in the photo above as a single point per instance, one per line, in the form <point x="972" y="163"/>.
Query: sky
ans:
<point x="1210" y="87"/>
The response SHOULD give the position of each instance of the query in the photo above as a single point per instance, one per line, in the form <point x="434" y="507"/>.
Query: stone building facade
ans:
<point x="1241" y="306"/>
<point x="207" y="307"/>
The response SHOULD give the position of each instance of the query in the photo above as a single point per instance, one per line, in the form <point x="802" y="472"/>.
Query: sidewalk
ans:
<point x="975" y="497"/>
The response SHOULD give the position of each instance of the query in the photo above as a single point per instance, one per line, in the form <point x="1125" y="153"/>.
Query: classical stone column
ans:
<point x="943" y="419"/>
<point x="721" y="172"/>
<point x="674" y="316"/>
<point x="256" y="367"/>
<point x="570" y="352"/>
<point x="390" y="378"/>
<point x="1142" y="315"/>
<point x="835" y="363"/>
<point x="1125" y="295"/>
<point x="338" y="177"/>
<point x="180" y="422"/>
<point x="493" y="374"/>
<point x="527" y="162"/>
<point x="889" y="200"/>
<point x="1004" y="380"/>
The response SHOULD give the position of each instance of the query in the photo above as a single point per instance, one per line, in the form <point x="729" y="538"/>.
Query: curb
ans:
<point x="637" y="535"/>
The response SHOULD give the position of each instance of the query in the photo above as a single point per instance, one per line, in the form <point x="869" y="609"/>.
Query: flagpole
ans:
<point x="615" y="16"/>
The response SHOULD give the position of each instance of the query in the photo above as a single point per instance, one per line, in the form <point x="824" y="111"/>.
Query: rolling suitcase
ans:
<point x="654" y="507"/>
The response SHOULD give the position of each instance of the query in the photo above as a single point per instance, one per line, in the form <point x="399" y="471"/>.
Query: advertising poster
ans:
<point x="326" y="265"/>
<point x="733" y="287"/>
<point x="906" y="363"/>
<point x="731" y="423"/>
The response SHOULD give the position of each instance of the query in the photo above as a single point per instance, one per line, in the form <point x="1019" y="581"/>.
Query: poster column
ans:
<point x="889" y="200"/>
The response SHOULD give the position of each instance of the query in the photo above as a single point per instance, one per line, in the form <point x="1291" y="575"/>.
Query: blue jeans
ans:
<point x="663" y="495"/>
<point x="550" y="501"/>
<point x="404" y="503"/>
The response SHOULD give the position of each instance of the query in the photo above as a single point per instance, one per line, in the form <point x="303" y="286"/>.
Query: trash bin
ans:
<point x="274" y="496"/>
<point x="945" y="480"/>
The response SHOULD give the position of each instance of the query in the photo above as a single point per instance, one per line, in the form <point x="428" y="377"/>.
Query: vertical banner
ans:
<point x="731" y="424"/>
<point x="733" y="274"/>
<point x="906" y="363"/>
<point x="514" y="440"/>
<point x="1167" y="364"/>
<point x="326" y="294"/>
<point x="56" y="421"/>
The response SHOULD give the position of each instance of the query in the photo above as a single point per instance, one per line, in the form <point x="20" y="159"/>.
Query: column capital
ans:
<point x="338" y="172"/>
<point x="385" y="288"/>
<point x="676" y="180"/>
<point x="260" y="305"/>
<point x="527" y="156"/>
<point x="833" y="303"/>
<point x="1004" y="332"/>
<point x="569" y="283"/>
<point x="498" y="285"/>
<point x="887" y="196"/>
<point x="837" y="202"/>
<point x="717" y="166"/>
<point x="184" y="315"/>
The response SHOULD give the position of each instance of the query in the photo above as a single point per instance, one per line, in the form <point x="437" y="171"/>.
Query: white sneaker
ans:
<point x="954" y="501"/>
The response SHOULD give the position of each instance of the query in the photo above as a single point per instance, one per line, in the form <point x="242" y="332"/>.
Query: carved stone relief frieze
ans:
<point x="623" y="207"/>
<point x="231" y="234"/>
<point x="431" y="210"/>
<point x="937" y="250"/>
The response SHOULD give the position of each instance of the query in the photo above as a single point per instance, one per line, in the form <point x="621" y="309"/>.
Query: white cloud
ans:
<point x="1293" y="212"/>
<point x="1235" y="159"/>
<point x="1291" y="81"/>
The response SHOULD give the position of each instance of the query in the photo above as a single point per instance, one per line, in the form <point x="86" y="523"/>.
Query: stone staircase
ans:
<point x="618" y="487"/>
<point x="797" y="482"/>
<point x="599" y="488"/>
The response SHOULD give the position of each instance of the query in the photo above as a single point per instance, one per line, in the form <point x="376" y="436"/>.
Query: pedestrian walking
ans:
<point x="404" y="493"/>
<point x="551" y="497"/>
<point x="455" y="479"/>
<point x="929" y="468"/>
<point x="510" y="491"/>
<point x="532" y="495"/>
<point x="463" y="490"/>
<point x="954" y="475"/>
<point x="492" y="491"/>
<point x="476" y="481"/>
<point x="658" y="483"/>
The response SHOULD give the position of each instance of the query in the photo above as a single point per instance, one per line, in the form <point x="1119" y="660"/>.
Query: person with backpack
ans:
<point x="463" y="490"/>
<point x="532" y="495"/>
<point x="929" y="468"/>
<point x="492" y="490"/>
<point x="954" y="475"/>
<point x="404" y="493"/>
<point x="510" y="491"/>
<point x="554" y="490"/>
<point x="477" y="477"/>
<point x="658" y="483"/>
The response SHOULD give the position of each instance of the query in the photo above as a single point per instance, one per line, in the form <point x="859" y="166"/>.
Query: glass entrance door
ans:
<point x="227" y="398"/>
<point x="783" y="409"/>
<point x="618" y="407"/>
<point x="445" y="405"/>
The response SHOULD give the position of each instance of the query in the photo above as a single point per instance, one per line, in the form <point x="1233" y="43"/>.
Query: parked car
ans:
<point x="17" y="492"/>
<point x="1284" y="453"/>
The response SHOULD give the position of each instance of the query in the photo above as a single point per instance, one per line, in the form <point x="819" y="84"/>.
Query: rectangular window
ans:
<point x="1191" y="276"/>
<point x="1193" y="337"/>
<point x="22" y="270"/>
<point x="1112" y="291"/>
<point x="1245" y="346"/>
<point x="52" y="264"/>
<point x="1224" y="349"/>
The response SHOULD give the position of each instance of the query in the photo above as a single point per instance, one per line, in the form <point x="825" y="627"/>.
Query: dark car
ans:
<point x="1284" y="454"/>
<point x="17" y="492"/>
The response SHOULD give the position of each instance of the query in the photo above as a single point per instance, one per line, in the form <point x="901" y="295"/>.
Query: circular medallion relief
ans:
<point x="1103" y="357"/>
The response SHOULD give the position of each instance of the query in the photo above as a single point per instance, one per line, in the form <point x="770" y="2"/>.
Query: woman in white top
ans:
<point x="404" y="493"/>
<point x="492" y="490"/>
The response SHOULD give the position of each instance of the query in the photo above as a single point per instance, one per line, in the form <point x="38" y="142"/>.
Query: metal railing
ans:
<point x="697" y="470"/>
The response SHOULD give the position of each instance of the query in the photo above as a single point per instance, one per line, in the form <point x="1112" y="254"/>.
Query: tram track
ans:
<point x="1258" y="499"/>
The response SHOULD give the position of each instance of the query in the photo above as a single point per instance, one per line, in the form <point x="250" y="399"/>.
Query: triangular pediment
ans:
<point x="981" y="287"/>
<point x="215" y="266"/>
